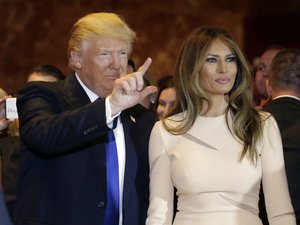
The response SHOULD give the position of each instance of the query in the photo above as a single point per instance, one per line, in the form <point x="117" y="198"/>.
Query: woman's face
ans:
<point x="166" y="102"/>
<point x="219" y="70"/>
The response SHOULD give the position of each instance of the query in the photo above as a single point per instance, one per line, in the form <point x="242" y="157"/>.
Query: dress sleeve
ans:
<point x="277" y="197"/>
<point x="160" y="210"/>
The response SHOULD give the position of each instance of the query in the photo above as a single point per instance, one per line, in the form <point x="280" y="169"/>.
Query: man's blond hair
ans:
<point x="96" y="25"/>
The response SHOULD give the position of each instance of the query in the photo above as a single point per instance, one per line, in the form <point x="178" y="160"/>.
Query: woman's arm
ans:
<point x="160" y="210"/>
<point x="275" y="186"/>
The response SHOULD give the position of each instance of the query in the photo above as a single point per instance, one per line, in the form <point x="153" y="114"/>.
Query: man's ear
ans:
<point x="76" y="59"/>
<point x="269" y="88"/>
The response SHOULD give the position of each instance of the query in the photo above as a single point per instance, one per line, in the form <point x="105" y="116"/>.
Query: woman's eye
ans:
<point x="231" y="59"/>
<point x="162" y="103"/>
<point x="211" y="59"/>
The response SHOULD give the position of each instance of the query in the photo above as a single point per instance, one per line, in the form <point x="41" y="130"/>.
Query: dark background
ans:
<point x="34" y="32"/>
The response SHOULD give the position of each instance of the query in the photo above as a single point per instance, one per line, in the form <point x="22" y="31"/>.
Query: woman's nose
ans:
<point x="222" y="67"/>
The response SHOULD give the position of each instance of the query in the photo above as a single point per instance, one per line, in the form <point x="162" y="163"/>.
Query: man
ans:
<point x="10" y="145"/>
<point x="285" y="107"/>
<point x="65" y="128"/>
<point x="260" y="94"/>
<point x="48" y="73"/>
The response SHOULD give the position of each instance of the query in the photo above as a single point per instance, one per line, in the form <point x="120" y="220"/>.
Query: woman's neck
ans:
<point x="218" y="107"/>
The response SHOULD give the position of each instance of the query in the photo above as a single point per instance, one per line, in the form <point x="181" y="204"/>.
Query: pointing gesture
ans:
<point x="129" y="90"/>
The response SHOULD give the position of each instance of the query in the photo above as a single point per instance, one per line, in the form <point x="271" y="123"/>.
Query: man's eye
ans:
<point x="123" y="53"/>
<point x="104" y="53"/>
<point x="261" y="67"/>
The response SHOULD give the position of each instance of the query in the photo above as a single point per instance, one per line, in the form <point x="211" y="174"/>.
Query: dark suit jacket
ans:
<point x="286" y="112"/>
<point x="62" y="178"/>
<point x="4" y="218"/>
<point x="9" y="149"/>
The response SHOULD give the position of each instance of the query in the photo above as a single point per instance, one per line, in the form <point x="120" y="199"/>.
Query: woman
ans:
<point x="166" y="97"/>
<point x="216" y="149"/>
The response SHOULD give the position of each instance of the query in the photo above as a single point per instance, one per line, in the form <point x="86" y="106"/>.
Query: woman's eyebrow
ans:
<point x="214" y="55"/>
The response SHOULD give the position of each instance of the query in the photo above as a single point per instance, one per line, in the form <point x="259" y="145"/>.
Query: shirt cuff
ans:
<point x="109" y="117"/>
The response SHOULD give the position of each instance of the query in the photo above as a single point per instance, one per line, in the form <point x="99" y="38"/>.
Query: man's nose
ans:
<point x="266" y="72"/>
<point x="115" y="61"/>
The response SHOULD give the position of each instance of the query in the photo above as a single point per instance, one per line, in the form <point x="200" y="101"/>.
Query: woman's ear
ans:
<point x="76" y="59"/>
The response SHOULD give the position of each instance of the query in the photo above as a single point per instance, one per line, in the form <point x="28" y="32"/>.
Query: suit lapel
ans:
<point x="129" y="122"/>
<point x="76" y="97"/>
<point x="74" y="93"/>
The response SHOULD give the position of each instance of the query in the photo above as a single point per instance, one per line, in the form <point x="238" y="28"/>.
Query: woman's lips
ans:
<point x="222" y="80"/>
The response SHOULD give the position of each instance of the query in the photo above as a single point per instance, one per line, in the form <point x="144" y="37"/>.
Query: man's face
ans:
<point x="101" y="62"/>
<point x="262" y="73"/>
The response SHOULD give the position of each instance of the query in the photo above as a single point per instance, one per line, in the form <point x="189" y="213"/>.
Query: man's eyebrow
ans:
<point x="111" y="49"/>
<point x="105" y="49"/>
<point x="261" y="64"/>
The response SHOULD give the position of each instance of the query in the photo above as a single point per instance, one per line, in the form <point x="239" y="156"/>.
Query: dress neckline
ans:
<point x="212" y="117"/>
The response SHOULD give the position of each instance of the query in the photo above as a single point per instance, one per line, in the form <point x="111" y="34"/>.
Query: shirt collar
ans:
<point x="289" y="96"/>
<point x="92" y="96"/>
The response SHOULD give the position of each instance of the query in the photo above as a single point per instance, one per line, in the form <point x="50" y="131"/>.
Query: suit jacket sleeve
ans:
<point x="51" y="125"/>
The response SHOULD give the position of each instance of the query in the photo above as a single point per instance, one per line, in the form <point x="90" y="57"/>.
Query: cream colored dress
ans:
<point x="213" y="187"/>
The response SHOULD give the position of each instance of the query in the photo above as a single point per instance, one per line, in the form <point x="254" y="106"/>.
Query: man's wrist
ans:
<point x="113" y="107"/>
<point x="111" y="111"/>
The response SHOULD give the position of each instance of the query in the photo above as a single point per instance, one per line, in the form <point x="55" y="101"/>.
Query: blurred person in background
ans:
<point x="46" y="72"/>
<point x="5" y="131"/>
<point x="3" y="121"/>
<point x="166" y="96"/>
<point x="131" y="66"/>
<point x="284" y="81"/>
<point x="261" y="74"/>
<point x="10" y="145"/>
